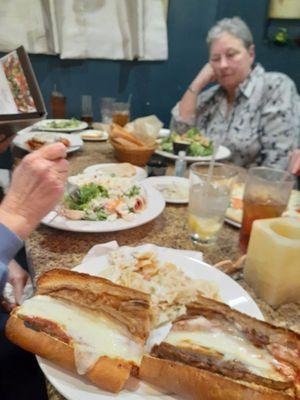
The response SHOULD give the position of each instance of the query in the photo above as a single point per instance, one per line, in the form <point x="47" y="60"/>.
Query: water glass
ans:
<point x="208" y="200"/>
<point x="121" y="113"/>
<point x="106" y="105"/>
<point x="86" y="108"/>
<point x="267" y="192"/>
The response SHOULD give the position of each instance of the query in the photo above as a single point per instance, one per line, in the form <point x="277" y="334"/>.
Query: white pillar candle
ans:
<point x="272" y="266"/>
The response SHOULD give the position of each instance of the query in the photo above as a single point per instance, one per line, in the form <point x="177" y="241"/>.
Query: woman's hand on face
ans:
<point x="205" y="76"/>
<point x="294" y="166"/>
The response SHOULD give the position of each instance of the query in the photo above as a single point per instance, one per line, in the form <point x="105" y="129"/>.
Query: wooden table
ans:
<point x="48" y="248"/>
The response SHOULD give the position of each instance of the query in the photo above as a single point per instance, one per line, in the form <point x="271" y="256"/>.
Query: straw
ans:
<point x="212" y="160"/>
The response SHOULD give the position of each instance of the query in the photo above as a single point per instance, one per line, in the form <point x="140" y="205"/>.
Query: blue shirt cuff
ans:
<point x="10" y="244"/>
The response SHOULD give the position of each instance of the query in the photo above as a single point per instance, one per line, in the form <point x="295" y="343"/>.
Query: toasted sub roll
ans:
<point x="75" y="321"/>
<point x="215" y="352"/>
<point x="108" y="374"/>
<point x="129" y="306"/>
<point x="194" y="383"/>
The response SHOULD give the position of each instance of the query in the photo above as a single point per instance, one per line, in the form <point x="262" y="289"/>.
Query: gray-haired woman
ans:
<point x="253" y="112"/>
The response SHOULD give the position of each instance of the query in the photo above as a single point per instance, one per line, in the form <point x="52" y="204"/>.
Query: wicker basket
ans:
<point x="136" y="156"/>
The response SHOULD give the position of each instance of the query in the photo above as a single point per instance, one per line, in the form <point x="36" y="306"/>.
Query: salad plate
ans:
<point x="222" y="153"/>
<point x="154" y="206"/>
<point x="72" y="387"/>
<point x="61" y="125"/>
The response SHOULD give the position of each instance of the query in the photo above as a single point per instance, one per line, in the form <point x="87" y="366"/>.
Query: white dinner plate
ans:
<point x="74" y="388"/>
<point x="92" y="169"/>
<point x="222" y="154"/>
<point x="44" y="125"/>
<point x="94" y="135"/>
<point x="155" y="206"/>
<point x="22" y="137"/>
<point x="174" y="189"/>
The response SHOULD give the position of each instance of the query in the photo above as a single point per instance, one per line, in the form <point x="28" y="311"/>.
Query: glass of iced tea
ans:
<point x="87" y="109"/>
<point x="58" y="106"/>
<point x="120" y="113"/>
<point x="208" y="200"/>
<point x="267" y="192"/>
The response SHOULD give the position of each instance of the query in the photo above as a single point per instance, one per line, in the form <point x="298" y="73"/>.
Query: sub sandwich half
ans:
<point x="85" y="324"/>
<point x="215" y="352"/>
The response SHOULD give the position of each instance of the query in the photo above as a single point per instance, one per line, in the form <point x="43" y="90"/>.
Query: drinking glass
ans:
<point x="267" y="192"/>
<point x="106" y="104"/>
<point x="86" y="108"/>
<point x="208" y="200"/>
<point x="121" y="113"/>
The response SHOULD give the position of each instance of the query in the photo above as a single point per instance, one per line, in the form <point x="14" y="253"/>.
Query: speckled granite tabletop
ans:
<point x="49" y="248"/>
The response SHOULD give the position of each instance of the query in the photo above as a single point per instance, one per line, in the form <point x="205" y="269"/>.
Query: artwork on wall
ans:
<point x="284" y="9"/>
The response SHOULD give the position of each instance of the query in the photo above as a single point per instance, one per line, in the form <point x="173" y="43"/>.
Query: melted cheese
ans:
<point x="257" y="360"/>
<point x="94" y="334"/>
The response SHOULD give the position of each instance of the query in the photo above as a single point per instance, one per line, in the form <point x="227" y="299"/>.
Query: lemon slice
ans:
<point x="205" y="228"/>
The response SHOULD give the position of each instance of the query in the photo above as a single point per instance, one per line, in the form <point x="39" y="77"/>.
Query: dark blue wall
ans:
<point x="156" y="86"/>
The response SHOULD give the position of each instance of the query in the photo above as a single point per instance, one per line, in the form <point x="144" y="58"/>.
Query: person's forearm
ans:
<point x="17" y="223"/>
<point x="188" y="102"/>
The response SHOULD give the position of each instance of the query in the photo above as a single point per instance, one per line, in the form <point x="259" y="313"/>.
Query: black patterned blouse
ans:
<point x="263" y="124"/>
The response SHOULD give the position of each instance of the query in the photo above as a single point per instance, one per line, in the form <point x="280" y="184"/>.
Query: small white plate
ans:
<point x="94" y="135"/>
<point x="73" y="387"/>
<point x="44" y="125"/>
<point x="21" y="139"/>
<point x="93" y="169"/>
<point x="174" y="189"/>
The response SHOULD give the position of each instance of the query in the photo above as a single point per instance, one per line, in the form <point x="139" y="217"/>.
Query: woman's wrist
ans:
<point x="14" y="219"/>
<point x="193" y="90"/>
<point x="196" y="86"/>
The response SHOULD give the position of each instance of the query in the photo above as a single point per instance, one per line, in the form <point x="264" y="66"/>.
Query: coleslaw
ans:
<point x="170" y="288"/>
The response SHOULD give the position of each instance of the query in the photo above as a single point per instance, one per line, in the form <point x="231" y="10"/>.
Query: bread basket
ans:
<point x="137" y="155"/>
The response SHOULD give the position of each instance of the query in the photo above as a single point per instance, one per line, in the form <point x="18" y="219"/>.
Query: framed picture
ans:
<point x="284" y="9"/>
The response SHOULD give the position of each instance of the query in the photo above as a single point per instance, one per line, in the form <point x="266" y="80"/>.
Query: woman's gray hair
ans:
<point x="235" y="26"/>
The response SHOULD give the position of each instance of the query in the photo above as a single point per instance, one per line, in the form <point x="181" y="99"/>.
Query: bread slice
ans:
<point x="117" y="131"/>
<point x="128" y="306"/>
